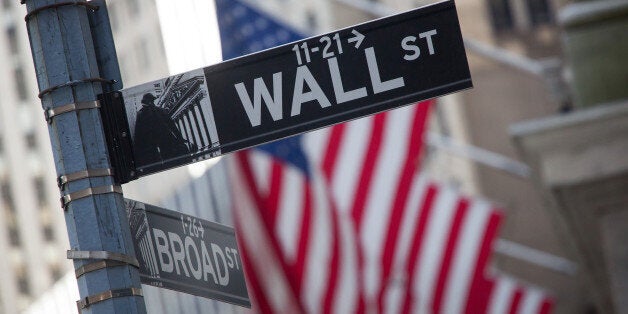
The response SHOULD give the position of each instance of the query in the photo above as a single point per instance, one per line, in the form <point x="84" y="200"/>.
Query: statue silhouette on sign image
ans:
<point x="157" y="137"/>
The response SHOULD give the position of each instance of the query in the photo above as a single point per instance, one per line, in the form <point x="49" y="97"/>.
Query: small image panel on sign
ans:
<point x="171" y="121"/>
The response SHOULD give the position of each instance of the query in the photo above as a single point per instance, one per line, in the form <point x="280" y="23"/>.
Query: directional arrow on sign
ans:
<point x="357" y="38"/>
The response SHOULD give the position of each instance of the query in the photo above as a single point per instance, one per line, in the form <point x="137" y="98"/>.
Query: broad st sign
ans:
<point x="291" y="89"/>
<point x="187" y="254"/>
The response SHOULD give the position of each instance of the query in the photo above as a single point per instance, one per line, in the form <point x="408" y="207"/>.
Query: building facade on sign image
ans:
<point x="173" y="117"/>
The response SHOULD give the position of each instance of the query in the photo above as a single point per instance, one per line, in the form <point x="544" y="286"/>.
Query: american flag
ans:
<point x="509" y="296"/>
<point x="244" y="29"/>
<point x="341" y="220"/>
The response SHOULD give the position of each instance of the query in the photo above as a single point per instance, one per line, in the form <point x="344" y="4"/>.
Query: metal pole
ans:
<point x="69" y="80"/>
<point x="477" y="154"/>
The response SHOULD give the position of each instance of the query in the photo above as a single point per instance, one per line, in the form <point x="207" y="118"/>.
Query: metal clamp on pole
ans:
<point x="73" y="83"/>
<point x="84" y="174"/>
<point x="49" y="113"/>
<point x="107" y="259"/>
<point x="66" y="199"/>
<point x="56" y="5"/>
<point x="110" y="294"/>
<point x="97" y="266"/>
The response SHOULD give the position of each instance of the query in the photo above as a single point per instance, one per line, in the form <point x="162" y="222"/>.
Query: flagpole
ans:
<point x="477" y="154"/>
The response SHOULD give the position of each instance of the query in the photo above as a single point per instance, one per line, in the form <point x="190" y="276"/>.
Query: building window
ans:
<point x="56" y="272"/>
<point x="501" y="15"/>
<point x="40" y="190"/>
<point x="22" y="284"/>
<point x="539" y="12"/>
<point x="31" y="140"/>
<point x="7" y="197"/>
<point x="20" y="83"/>
<point x="12" y="37"/>
<point x="311" y="21"/>
<point x="143" y="54"/>
<point x="14" y="236"/>
<point x="134" y="7"/>
<point x="49" y="233"/>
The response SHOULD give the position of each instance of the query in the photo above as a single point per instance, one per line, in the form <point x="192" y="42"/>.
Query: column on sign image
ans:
<point x="190" y="127"/>
<point x="197" y="125"/>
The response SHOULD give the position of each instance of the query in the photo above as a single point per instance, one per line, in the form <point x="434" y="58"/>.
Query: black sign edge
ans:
<point x="320" y="123"/>
<point x="427" y="9"/>
<point x="393" y="18"/>
<point x="117" y="136"/>
<point x="171" y="213"/>
<point x="350" y="115"/>
<point x="211" y="293"/>
<point x="249" y="58"/>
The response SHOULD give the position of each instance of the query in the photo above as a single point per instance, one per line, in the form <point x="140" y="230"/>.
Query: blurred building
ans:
<point x="33" y="232"/>
<point x="561" y="113"/>
<point x="33" y="238"/>
<point x="532" y="246"/>
<point x="516" y="59"/>
<point x="139" y="43"/>
<point x="514" y="53"/>
<point x="578" y="158"/>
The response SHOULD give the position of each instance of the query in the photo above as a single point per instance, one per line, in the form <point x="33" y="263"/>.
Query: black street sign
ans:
<point x="284" y="91"/>
<point x="187" y="254"/>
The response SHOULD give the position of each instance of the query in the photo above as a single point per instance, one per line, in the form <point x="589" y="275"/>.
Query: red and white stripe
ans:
<point x="304" y="230"/>
<point x="448" y="250"/>
<point x="370" y="165"/>
<point x="512" y="298"/>
<point x="267" y="282"/>
<point x="368" y="233"/>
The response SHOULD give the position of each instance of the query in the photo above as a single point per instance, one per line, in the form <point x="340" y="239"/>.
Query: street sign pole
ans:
<point x="69" y="80"/>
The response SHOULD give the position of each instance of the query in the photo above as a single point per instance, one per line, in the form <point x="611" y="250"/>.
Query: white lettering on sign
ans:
<point x="232" y="261"/>
<point x="307" y="89"/>
<point x="178" y="255"/>
<point x="208" y="268"/>
<point x="223" y="272"/>
<point x="165" y="258"/>
<point x="408" y="44"/>
<point x="428" y="36"/>
<point x="185" y="258"/>
<point x="299" y="97"/>
<point x="254" y="110"/>
<point x="191" y="251"/>
<point x="376" y="80"/>
<point x="339" y="91"/>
